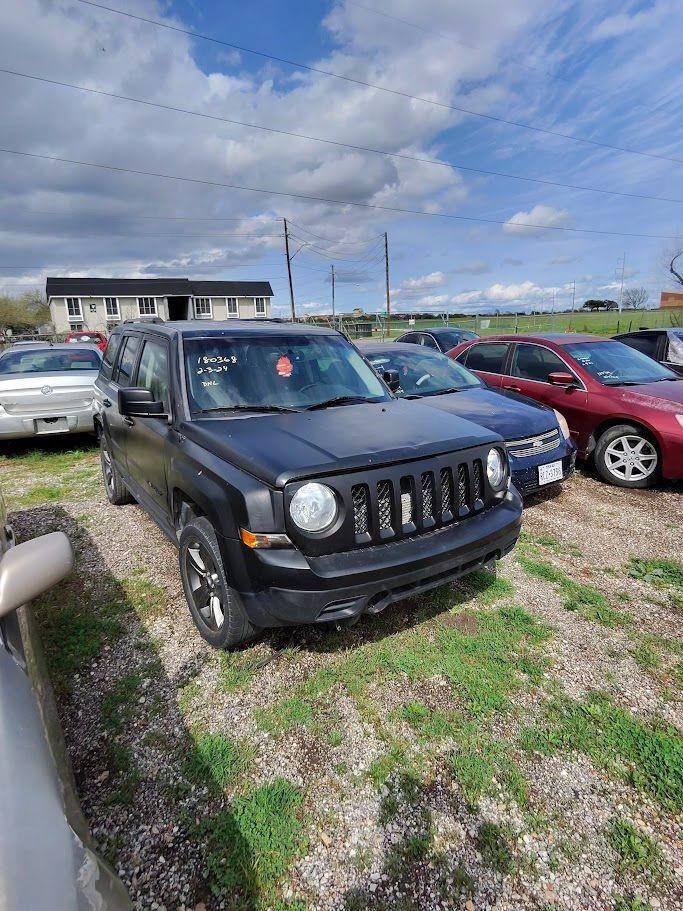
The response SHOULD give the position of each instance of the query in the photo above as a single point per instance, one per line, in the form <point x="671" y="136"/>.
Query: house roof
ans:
<point x="161" y="287"/>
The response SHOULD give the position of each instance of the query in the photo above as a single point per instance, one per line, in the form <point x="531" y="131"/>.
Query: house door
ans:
<point x="179" y="308"/>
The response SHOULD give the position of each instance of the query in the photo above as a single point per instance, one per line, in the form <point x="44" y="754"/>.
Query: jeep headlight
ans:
<point x="496" y="469"/>
<point x="313" y="507"/>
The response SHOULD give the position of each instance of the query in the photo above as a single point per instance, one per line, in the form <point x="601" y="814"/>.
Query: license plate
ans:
<point x="52" y="425"/>
<point x="550" y="472"/>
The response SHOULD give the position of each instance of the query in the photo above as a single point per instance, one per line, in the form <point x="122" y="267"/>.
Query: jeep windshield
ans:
<point x="615" y="364"/>
<point x="424" y="372"/>
<point x="267" y="372"/>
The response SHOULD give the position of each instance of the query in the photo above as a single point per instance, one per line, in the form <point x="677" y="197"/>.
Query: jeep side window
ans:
<point x="129" y="351"/>
<point x="110" y="355"/>
<point x="153" y="370"/>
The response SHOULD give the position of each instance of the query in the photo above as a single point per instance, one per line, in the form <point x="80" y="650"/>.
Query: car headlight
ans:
<point x="496" y="469"/>
<point x="313" y="507"/>
<point x="562" y="421"/>
<point x="679" y="418"/>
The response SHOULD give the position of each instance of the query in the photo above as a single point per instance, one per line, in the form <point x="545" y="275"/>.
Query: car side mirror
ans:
<point x="140" y="403"/>
<point x="31" y="568"/>
<point x="561" y="378"/>
<point x="392" y="379"/>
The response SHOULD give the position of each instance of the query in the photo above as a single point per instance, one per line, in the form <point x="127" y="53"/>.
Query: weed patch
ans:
<point x="580" y="598"/>
<point x="636" y="852"/>
<point x="493" y="843"/>
<point x="120" y="702"/>
<point x="649" y="756"/>
<point x="481" y="764"/>
<point x="216" y="759"/>
<point x="251" y="845"/>
<point x="236" y="672"/>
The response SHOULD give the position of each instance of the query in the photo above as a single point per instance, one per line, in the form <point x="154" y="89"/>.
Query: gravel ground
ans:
<point x="556" y="854"/>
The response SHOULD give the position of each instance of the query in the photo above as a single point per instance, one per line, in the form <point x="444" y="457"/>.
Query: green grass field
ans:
<point x="603" y="323"/>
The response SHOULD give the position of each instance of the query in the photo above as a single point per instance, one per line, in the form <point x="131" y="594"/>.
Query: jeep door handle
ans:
<point x="106" y="403"/>
<point x="513" y="388"/>
<point x="129" y="422"/>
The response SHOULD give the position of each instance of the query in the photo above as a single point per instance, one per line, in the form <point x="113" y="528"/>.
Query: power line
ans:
<point x="336" y="202"/>
<point x="380" y="88"/>
<point x="401" y="156"/>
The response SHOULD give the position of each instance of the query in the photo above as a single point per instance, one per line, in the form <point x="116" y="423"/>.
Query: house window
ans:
<point x="233" y="309"/>
<point x="76" y="327"/>
<point x="111" y="307"/>
<point x="147" y="306"/>
<point x="73" y="309"/>
<point x="260" y="303"/>
<point x="203" y="308"/>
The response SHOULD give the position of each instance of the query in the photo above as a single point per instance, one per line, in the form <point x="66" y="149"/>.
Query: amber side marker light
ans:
<point x="257" y="541"/>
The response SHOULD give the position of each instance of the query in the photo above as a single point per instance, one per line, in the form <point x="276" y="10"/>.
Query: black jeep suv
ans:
<point x="296" y="487"/>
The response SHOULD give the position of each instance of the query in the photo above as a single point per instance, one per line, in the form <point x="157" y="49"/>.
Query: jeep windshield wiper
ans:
<point x="340" y="400"/>
<point x="445" y="391"/>
<point x="258" y="408"/>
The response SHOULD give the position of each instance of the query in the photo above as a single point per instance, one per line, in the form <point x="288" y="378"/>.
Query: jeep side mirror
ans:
<point x="140" y="403"/>
<point x="561" y="378"/>
<point x="392" y="379"/>
<point x="31" y="568"/>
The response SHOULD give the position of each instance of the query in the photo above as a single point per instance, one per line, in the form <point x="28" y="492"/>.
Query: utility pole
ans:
<point x="621" y="292"/>
<point x="332" y="267"/>
<point x="289" y="269"/>
<point x="573" y="294"/>
<point x="386" y="274"/>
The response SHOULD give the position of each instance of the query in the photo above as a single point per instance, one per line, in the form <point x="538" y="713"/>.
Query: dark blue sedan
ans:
<point x="537" y="438"/>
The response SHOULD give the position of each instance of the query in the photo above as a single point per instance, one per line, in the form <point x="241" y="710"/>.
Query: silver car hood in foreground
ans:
<point x="46" y="393"/>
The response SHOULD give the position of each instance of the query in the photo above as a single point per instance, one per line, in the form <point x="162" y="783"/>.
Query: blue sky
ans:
<point x="609" y="72"/>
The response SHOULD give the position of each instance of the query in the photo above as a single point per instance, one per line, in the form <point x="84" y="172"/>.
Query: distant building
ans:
<point x="102" y="303"/>
<point x="671" y="300"/>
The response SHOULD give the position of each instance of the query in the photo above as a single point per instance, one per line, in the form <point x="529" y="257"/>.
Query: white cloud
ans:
<point x="536" y="221"/>
<point x="432" y="280"/>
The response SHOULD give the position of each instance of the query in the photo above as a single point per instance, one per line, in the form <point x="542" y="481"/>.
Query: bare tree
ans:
<point x="635" y="298"/>
<point x="674" y="268"/>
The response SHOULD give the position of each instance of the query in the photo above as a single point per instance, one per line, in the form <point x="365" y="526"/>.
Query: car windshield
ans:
<point x="271" y="372"/>
<point x="49" y="360"/>
<point x="424" y="372"/>
<point x="615" y="364"/>
<point x="453" y="337"/>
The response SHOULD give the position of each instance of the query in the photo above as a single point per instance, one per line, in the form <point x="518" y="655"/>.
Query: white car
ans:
<point x="47" y="389"/>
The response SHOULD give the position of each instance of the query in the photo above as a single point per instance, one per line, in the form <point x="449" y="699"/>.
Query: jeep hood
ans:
<point x="278" y="448"/>
<point x="513" y="416"/>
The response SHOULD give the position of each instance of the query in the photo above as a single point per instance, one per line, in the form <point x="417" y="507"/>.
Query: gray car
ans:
<point x="46" y="859"/>
<point x="47" y="389"/>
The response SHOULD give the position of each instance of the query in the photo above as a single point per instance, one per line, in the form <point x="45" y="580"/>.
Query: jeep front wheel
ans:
<point x="214" y="605"/>
<point x="625" y="456"/>
<point x="117" y="492"/>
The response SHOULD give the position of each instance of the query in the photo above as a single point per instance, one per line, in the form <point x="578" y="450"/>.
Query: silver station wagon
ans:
<point x="47" y="389"/>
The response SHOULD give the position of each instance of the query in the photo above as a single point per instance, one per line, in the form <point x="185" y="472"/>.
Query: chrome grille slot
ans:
<point x="446" y="492"/>
<point x="361" y="509"/>
<point x="477" y="481"/>
<point x="427" y="484"/>
<point x="385" y="505"/>
<point x="407" y="501"/>
<point x="462" y="487"/>
<point x="531" y="446"/>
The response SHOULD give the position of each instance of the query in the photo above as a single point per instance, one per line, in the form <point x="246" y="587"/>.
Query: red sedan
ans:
<point x="623" y="409"/>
